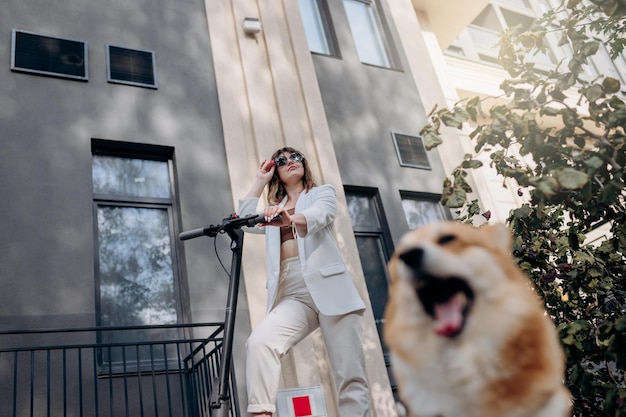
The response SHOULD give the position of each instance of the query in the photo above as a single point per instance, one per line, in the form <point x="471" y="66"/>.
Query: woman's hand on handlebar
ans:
<point x="276" y="216"/>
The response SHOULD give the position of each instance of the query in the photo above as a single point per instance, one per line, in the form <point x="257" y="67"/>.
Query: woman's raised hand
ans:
<point x="263" y="177"/>
<point x="266" y="170"/>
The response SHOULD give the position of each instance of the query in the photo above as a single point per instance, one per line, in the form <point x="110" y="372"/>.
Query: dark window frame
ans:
<point x="111" y="79"/>
<point x="101" y="147"/>
<point x="374" y="195"/>
<point x="383" y="234"/>
<point x="16" y="68"/>
<point x="427" y="197"/>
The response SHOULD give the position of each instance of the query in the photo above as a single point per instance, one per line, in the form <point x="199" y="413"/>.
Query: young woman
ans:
<point x="308" y="285"/>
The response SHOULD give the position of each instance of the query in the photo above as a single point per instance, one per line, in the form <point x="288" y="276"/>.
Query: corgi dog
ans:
<point x="467" y="334"/>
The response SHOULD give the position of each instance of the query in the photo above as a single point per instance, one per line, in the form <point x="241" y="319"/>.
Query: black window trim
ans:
<point x="48" y="73"/>
<point x="383" y="231"/>
<point x="421" y="195"/>
<point x="131" y="150"/>
<point x="429" y="197"/>
<point x="118" y="367"/>
<point x="383" y="234"/>
<point x="153" y="86"/>
<point x="105" y="147"/>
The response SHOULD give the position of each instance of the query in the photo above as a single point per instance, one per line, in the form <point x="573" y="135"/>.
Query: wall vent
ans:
<point x="131" y="66"/>
<point x="411" y="151"/>
<point x="47" y="55"/>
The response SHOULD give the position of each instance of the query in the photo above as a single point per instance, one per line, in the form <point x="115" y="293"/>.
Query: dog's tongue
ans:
<point x="449" y="315"/>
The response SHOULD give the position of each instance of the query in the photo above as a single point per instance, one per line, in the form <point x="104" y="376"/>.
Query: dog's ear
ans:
<point x="499" y="237"/>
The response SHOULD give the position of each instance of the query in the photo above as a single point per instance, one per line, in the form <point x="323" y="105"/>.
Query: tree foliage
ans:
<point x="560" y="135"/>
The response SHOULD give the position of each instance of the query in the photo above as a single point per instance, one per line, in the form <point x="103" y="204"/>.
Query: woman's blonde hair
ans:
<point x="276" y="189"/>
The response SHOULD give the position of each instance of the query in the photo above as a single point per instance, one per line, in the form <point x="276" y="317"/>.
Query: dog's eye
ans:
<point x="446" y="239"/>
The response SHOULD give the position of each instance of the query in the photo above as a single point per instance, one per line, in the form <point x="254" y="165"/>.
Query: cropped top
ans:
<point x="287" y="232"/>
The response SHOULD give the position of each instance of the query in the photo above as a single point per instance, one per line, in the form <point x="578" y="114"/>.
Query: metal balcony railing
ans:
<point x="133" y="371"/>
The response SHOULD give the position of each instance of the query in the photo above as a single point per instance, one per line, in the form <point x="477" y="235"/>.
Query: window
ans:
<point x="47" y="55"/>
<point x="317" y="26"/>
<point x="136" y="275"/>
<point x="367" y="32"/>
<point x="421" y="209"/>
<point x="374" y="244"/>
<point x="131" y="66"/>
<point x="513" y="19"/>
<point x="485" y="33"/>
<point x="375" y="247"/>
<point x="481" y="38"/>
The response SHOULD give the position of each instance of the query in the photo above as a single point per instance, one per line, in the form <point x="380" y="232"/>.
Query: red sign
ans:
<point x="302" y="406"/>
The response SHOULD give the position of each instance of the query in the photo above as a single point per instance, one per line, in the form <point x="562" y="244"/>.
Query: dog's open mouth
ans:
<point x="447" y="300"/>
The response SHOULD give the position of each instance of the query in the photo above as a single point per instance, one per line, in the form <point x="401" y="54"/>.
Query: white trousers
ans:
<point x="293" y="317"/>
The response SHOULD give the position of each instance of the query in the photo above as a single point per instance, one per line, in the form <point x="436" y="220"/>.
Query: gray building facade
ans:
<point x="125" y="123"/>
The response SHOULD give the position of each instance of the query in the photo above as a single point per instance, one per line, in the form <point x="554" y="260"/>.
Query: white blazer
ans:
<point x="323" y="268"/>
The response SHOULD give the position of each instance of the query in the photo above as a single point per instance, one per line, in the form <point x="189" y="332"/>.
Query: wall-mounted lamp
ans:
<point x="251" y="25"/>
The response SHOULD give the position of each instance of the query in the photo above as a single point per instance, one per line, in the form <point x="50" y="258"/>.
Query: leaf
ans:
<point x="594" y="162"/>
<point x="454" y="119"/>
<point x="522" y="212"/>
<point x="594" y="92"/>
<point x="548" y="186"/>
<point x="570" y="178"/>
<point x="474" y="109"/>
<point x="572" y="3"/>
<point x="549" y="111"/>
<point x="610" y="85"/>
<point x="616" y="103"/>
<point x="431" y="140"/>
<point x="472" y="163"/>
<point x="590" y="48"/>
<point x="457" y="198"/>
<point x="580" y="141"/>
<point x="616" y="118"/>
<point x="570" y="118"/>
<point x="557" y="94"/>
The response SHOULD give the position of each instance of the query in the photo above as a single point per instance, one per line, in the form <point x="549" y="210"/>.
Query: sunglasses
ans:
<point x="294" y="157"/>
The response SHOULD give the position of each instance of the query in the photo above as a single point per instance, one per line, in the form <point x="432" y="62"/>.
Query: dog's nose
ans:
<point x="413" y="258"/>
